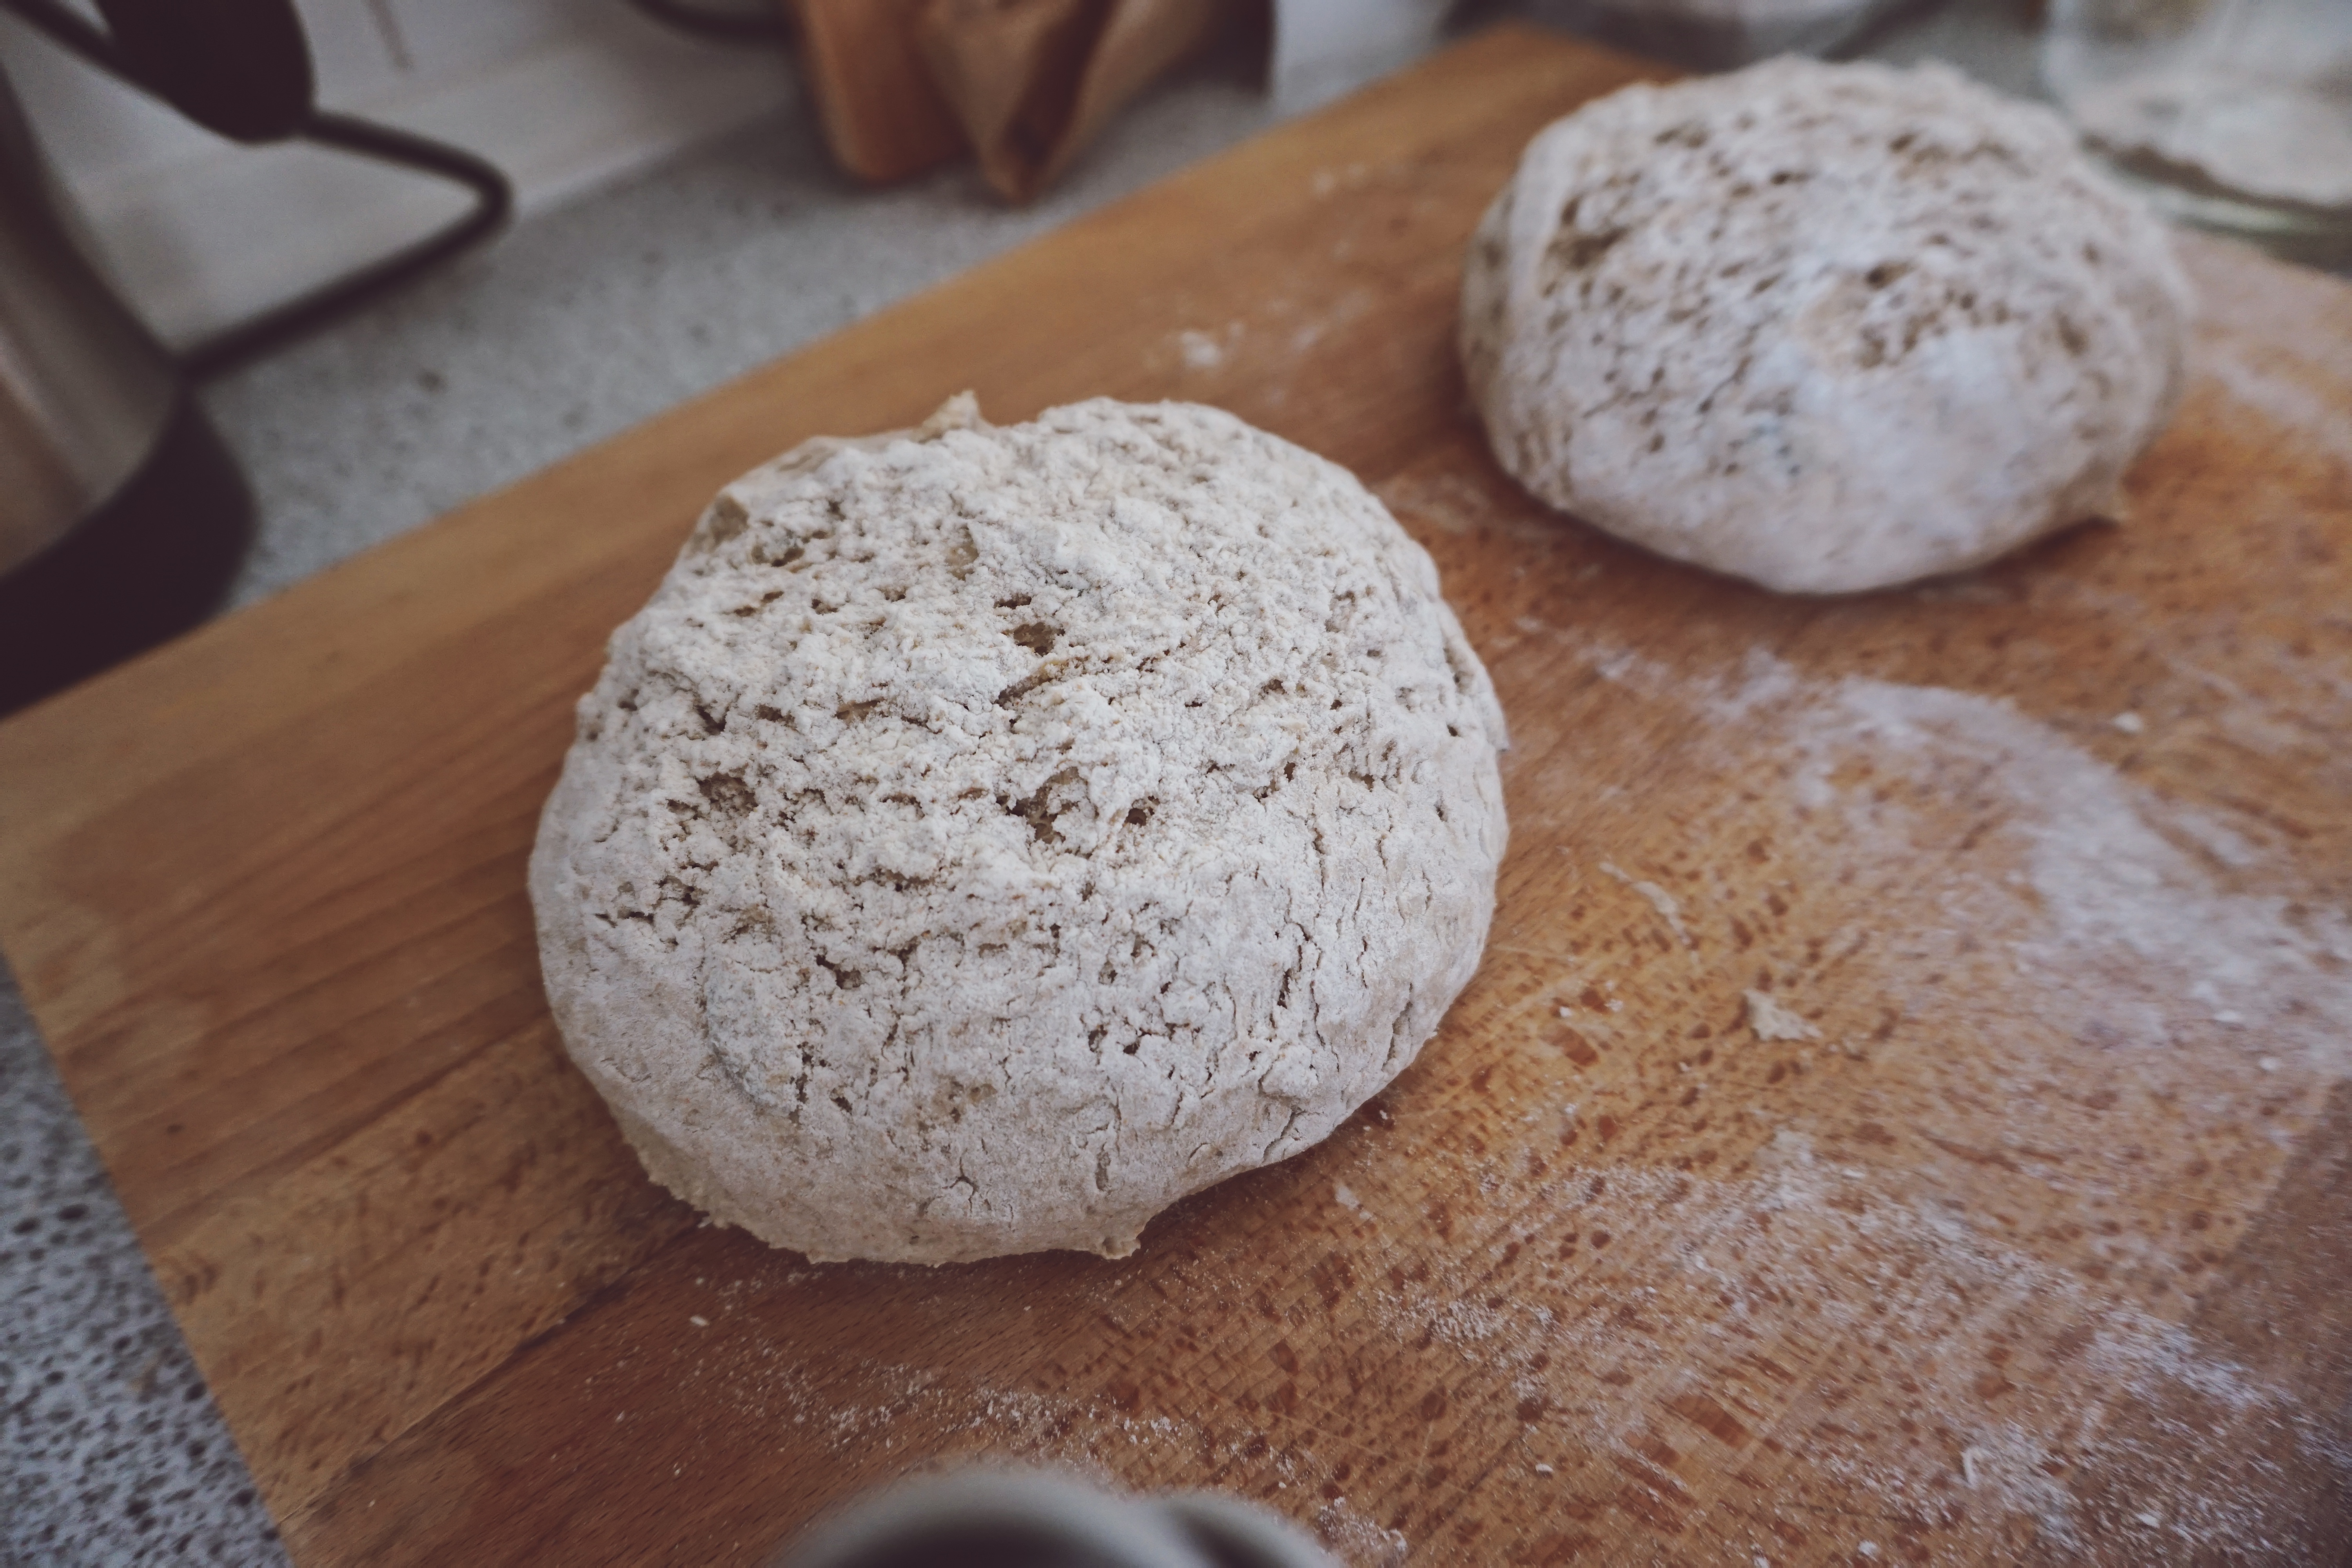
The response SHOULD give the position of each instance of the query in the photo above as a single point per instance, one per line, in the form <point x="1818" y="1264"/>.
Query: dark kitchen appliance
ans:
<point x="122" y="518"/>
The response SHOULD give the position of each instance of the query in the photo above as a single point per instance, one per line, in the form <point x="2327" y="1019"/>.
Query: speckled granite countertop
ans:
<point x="111" y="1449"/>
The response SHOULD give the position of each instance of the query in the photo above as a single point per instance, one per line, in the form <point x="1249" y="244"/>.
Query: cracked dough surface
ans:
<point x="1827" y="327"/>
<point x="986" y="837"/>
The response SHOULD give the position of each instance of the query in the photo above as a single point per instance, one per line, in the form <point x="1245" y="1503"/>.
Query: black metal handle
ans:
<point x="237" y="67"/>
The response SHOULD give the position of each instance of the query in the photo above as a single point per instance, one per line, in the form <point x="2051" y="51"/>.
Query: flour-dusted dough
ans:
<point x="1828" y="327"/>
<point x="987" y="837"/>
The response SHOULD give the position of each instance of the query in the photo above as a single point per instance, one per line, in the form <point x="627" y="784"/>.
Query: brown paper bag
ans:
<point x="1032" y="81"/>
<point x="883" y="118"/>
<point x="902" y="85"/>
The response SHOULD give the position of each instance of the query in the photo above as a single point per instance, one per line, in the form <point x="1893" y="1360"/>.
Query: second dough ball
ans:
<point x="1829" y="328"/>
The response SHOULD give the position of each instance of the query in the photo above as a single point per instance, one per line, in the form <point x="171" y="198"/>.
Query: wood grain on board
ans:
<point x="2006" y="1221"/>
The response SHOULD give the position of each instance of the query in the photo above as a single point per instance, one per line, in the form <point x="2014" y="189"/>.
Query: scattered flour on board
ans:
<point x="1357" y="1540"/>
<point x="2112" y="916"/>
<point x="1892" y="1290"/>
<point x="2269" y="387"/>
<point x="1771" y="1021"/>
<point x="1208" y="351"/>
<point x="912" y="1406"/>
<point x="2123" y="880"/>
<point x="2137" y="923"/>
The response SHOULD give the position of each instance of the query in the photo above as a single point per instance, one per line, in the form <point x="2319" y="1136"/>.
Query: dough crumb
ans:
<point x="1660" y="899"/>
<point x="1773" y="1022"/>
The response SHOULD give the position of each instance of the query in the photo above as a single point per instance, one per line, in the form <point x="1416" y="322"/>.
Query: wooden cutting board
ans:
<point x="1901" y="1117"/>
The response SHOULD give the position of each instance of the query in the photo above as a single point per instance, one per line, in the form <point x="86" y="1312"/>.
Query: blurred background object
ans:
<point x="882" y="115"/>
<point x="199" y="233"/>
<point x="241" y="70"/>
<point x="903" y="85"/>
<point x="2232" y="114"/>
<point x="1032" y="81"/>
<point x="84" y="392"/>
<point x="123" y="518"/>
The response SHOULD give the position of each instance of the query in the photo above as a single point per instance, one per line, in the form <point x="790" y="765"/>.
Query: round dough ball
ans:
<point x="1827" y="327"/>
<point x="987" y="837"/>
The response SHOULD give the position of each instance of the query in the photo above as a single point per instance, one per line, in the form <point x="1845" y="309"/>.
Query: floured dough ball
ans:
<point x="1828" y="327"/>
<point x="987" y="837"/>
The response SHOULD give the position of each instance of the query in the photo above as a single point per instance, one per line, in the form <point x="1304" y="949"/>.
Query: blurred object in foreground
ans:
<point x="903" y="85"/>
<point x="1032" y="1518"/>
<point x="1717" y="35"/>
<point x="2232" y="114"/>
